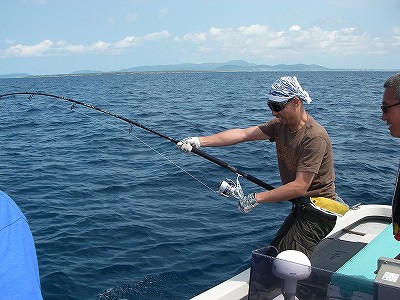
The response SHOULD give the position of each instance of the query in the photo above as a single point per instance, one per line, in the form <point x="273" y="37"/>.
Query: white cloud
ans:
<point x="99" y="45"/>
<point x="128" y="42"/>
<point x="214" y="31"/>
<point x="49" y="48"/>
<point x="396" y="37"/>
<point x="396" y="41"/>
<point x="162" y="12"/>
<point x="27" y="51"/>
<point x="192" y="37"/>
<point x="295" y="28"/>
<point x="62" y="47"/>
<point x="255" y="40"/>
<point x="73" y="48"/>
<point x="261" y="41"/>
<point x="157" y="36"/>
<point x="253" y="30"/>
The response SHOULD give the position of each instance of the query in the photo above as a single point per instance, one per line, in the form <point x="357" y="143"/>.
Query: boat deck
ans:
<point x="335" y="250"/>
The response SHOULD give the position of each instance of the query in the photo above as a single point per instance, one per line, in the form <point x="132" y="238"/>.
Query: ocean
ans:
<point x="118" y="212"/>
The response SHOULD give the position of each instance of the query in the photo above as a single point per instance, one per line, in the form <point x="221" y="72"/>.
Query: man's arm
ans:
<point x="232" y="137"/>
<point x="291" y="190"/>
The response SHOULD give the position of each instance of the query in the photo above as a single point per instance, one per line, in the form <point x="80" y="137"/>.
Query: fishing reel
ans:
<point x="228" y="188"/>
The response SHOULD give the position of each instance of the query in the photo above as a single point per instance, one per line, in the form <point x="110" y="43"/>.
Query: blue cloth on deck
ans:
<point x="19" y="273"/>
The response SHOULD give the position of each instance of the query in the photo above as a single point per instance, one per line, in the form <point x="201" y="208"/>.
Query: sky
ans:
<point x="42" y="37"/>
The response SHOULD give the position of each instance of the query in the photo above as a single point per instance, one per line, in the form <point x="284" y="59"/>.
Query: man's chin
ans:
<point x="394" y="133"/>
<point x="282" y="121"/>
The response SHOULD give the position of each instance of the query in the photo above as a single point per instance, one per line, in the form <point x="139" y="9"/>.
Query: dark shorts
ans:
<point x="303" y="229"/>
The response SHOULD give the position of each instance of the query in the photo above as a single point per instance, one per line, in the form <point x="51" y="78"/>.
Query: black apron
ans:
<point x="396" y="208"/>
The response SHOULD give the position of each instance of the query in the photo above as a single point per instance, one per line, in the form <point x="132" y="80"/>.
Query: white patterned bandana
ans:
<point x="286" y="88"/>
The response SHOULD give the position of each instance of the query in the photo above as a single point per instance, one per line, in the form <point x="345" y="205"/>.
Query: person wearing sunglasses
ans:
<point x="306" y="167"/>
<point x="391" y="115"/>
<point x="391" y="104"/>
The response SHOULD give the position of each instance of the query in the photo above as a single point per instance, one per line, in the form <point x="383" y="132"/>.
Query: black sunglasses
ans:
<point x="385" y="108"/>
<point x="278" y="106"/>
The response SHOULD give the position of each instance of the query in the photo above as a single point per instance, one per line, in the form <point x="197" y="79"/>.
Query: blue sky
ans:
<point x="62" y="36"/>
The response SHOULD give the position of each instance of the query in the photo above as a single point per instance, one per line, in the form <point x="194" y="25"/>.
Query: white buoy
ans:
<point x="291" y="266"/>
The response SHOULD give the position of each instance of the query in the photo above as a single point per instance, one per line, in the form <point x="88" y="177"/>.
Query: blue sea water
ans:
<point x="119" y="213"/>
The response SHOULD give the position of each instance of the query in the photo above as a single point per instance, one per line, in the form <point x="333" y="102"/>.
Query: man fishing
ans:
<point x="305" y="161"/>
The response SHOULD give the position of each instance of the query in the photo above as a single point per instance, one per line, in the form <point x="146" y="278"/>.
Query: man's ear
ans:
<point x="296" y="101"/>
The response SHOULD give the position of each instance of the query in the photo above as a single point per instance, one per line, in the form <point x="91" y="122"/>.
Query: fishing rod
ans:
<point x="229" y="185"/>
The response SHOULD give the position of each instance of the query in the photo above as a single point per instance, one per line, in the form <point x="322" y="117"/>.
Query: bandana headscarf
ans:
<point x="285" y="88"/>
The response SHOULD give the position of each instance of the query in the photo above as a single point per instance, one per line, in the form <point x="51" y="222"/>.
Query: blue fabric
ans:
<point x="19" y="273"/>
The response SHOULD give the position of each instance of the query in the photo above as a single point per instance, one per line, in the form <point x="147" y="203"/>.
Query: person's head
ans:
<point x="285" y="99"/>
<point x="391" y="104"/>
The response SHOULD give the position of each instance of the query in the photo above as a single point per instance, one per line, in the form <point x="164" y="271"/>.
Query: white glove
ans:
<point x="247" y="203"/>
<point x="188" y="144"/>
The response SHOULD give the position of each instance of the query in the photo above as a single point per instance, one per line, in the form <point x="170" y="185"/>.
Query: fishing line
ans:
<point x="153" y="149"/>
<point x="173" y="163"/>
<point x="130" y="132"/>
<point x="201" y="153"/>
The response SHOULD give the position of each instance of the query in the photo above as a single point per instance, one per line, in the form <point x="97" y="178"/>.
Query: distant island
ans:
<point x="230" y="66"/>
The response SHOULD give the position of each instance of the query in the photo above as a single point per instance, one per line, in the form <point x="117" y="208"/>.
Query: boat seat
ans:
<point x="334" y="251"/>
<point x="358" y="274"/>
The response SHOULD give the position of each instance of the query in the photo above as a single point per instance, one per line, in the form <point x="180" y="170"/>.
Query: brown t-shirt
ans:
<point x="309" y="149"/>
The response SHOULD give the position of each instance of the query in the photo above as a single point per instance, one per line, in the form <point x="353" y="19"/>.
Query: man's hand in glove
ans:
<point x="188" y="144"/>
<point x="247" y="203"/>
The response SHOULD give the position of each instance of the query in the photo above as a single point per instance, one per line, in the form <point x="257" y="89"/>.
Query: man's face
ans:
<point x="287" y="116"/>
<point x="391" y="115"/>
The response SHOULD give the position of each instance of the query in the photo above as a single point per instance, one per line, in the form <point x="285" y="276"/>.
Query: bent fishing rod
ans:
<point x="194" y="150"/>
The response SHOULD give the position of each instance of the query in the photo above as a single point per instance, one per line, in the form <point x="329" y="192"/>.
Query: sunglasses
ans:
<point x="278" y="106"/>
<point x="385" y="108"/>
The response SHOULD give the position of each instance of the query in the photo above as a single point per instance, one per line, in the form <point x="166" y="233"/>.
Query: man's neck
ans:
<point x="300" y="122"/>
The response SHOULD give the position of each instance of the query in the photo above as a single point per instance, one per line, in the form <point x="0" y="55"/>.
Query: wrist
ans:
<point x="201" y="141"/>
